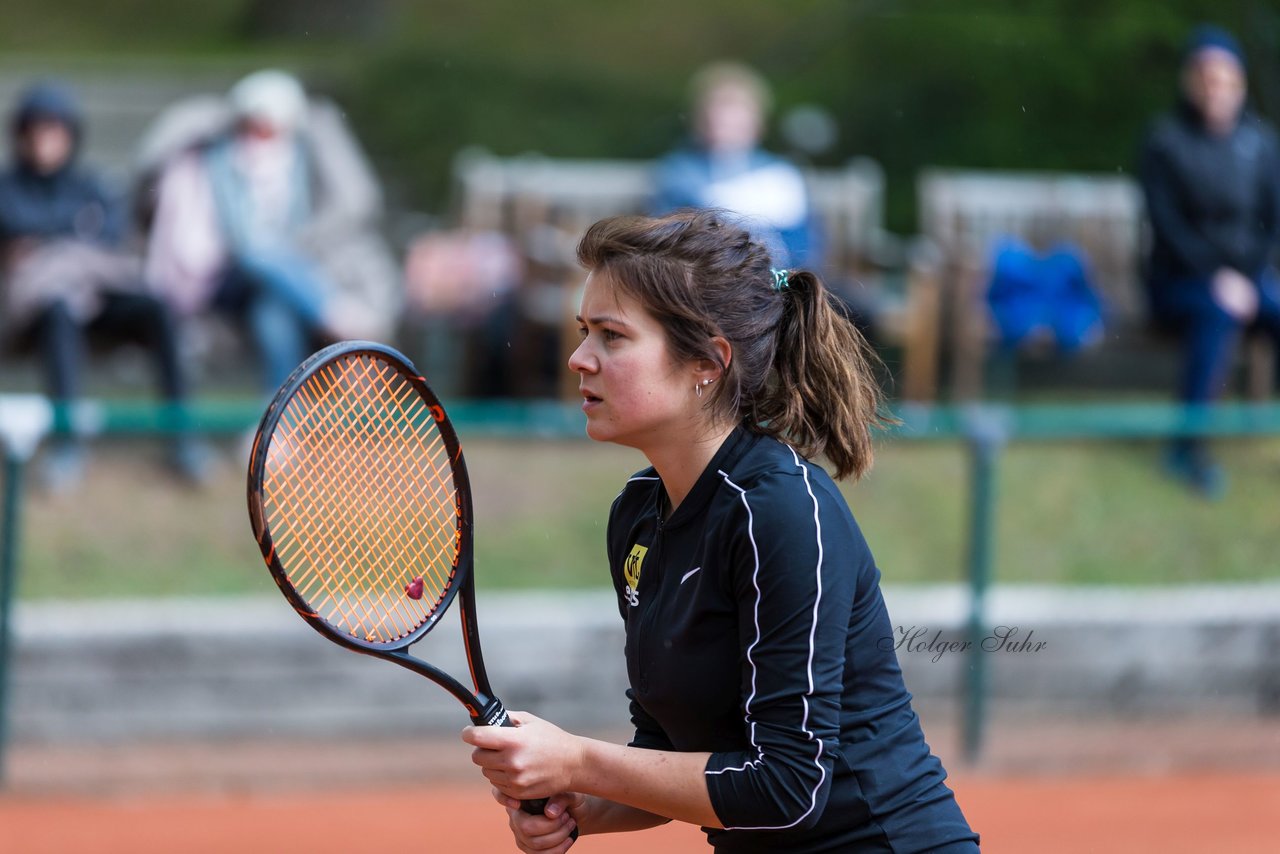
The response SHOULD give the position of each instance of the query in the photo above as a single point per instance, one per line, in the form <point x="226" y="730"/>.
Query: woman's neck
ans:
<point x="680" y="465"/>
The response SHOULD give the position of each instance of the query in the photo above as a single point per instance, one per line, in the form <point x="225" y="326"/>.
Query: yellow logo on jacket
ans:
<point x="631" y="572"/>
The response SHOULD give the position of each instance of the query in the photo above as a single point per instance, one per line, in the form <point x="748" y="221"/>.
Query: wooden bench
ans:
<point x="963" y="213"/>
<point x="545" y="204"/>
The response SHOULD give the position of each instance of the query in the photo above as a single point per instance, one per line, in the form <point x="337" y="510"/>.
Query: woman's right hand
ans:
<point x="548" y="833"/>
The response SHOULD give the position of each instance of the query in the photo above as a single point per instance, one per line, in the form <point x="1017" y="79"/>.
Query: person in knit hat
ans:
<point x="1210" y="173"/>
<point x="67" y="276"/>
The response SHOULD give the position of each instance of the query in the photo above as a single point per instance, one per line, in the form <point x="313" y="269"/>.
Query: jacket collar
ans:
<point x="734" y="447"/>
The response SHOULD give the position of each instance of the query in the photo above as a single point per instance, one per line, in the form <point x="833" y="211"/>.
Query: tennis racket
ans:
<point x="360" y="502"/>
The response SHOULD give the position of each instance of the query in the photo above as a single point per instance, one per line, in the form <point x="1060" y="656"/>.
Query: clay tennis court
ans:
<point x="1206" y="786"/>
<point x="1183" y="813"/>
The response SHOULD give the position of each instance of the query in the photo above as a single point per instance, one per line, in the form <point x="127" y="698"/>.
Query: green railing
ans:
<point x="986" y="429"/>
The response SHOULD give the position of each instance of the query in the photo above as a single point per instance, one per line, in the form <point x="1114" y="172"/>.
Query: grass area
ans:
<point x="1068" y="513"/>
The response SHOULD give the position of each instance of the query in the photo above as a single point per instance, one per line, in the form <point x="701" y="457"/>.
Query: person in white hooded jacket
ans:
<point x="265" y="211"/>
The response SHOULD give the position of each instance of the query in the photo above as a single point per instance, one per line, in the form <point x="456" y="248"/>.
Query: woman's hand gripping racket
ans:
<point x="359" y="499"/>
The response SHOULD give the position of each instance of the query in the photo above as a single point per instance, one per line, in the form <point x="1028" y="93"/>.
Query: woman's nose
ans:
<point x="579" y="361"/>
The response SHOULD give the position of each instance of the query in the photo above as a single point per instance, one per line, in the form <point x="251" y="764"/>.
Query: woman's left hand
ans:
<point x="533" y="759"/>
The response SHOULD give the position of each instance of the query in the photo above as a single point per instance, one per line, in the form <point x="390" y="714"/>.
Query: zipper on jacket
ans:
<point x="654" y="559"/>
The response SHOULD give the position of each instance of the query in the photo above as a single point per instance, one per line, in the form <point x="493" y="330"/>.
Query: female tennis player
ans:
<point x="767" y="700"/>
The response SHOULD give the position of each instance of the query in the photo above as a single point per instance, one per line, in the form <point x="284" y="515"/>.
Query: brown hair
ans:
<point x="800" y="370"/>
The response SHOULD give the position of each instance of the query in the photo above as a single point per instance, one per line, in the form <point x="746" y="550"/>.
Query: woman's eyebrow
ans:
<point x="602" y="319"/>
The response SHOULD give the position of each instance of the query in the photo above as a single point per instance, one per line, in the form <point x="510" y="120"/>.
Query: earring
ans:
<point x="697" y="387"/>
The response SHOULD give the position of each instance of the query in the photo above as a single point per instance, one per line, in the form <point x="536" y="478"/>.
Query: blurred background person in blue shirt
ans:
<point x="724" y="167"/>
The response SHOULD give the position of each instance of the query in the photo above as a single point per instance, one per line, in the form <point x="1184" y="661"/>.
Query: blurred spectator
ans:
<point x="463" y="285"/>
<point x="265" y="211"/>
<point x="724" y="167"/>
<point x="66" y="276"/>
<point x="1210" y="170"/>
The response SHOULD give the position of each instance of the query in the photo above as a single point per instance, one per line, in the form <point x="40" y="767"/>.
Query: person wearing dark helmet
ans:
<point x="66" y="277"/>
<point x="1210" y="172"/>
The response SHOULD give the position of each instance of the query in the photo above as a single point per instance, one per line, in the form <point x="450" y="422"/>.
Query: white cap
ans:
<point x="270" y="96"/>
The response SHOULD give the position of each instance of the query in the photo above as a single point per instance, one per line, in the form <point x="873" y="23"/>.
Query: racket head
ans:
<point x="357" y="486"/>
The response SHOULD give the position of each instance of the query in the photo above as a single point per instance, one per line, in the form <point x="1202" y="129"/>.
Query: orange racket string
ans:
<point x="318" y="533"/>
<point x="323" y="539"/>
<point x="379" y="523"/>
<point x="365" y="604"/>
<point x="359" y="494"/>
<point x="442" y="479"/>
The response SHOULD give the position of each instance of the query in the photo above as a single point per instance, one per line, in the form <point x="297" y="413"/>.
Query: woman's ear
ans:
<point x="708" y="369"/>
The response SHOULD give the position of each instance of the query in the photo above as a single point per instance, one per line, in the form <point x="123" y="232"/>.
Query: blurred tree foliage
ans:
<point x="1035" y="84"/>
<point x="1052" y="84"/>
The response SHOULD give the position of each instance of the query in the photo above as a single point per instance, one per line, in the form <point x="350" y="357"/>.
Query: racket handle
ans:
<point x="537" y="806"/>
<point x="495" y="714"/>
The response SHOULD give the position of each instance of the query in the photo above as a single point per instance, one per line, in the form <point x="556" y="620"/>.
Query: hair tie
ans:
<point x="780" y="278"/>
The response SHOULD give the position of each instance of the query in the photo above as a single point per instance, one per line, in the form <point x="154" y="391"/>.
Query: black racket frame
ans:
<point x="482" y="705"/>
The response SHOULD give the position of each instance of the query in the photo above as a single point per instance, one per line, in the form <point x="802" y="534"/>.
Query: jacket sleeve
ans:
<point x="1268" y="222"/>
<point x="186" y="250"/>
<point x="1159" y="180"/>
<point x="794" y="586"/>
<point x="114" y="211"/>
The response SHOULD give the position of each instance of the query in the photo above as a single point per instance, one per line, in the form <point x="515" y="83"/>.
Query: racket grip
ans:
<point x="495" y="714"/>
<point x="537" y="806"/>
<point x="534" y="807"/>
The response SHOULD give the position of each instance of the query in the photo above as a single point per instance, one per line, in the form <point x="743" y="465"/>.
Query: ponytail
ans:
<point x="824" y="398"/>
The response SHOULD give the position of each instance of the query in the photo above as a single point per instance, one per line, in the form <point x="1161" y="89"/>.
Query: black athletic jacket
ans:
<point x="1213" y="201"/>
<point x="755" y="630"/>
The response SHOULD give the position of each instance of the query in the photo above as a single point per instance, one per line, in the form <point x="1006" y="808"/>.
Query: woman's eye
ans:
<point x="610" y="335"/>
<point x="582" y="332"/>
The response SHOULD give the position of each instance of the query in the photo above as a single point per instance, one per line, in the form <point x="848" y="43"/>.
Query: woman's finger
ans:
<point x="506" y="801"/>
<point x="540" y="833"/>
